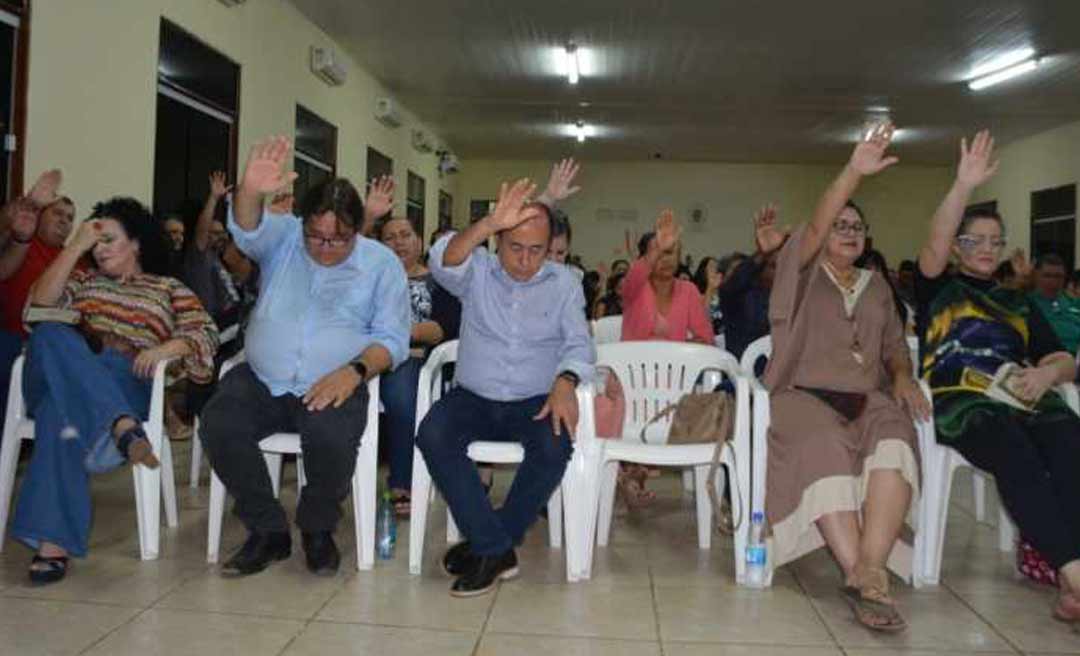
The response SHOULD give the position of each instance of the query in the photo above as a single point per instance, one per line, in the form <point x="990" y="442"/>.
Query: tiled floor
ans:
<point x="653" y="592"/>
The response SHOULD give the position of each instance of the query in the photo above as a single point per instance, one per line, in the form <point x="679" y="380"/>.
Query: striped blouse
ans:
<point x="144" y="312"/>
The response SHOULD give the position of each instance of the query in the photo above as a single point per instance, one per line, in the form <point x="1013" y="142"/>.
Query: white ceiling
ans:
<point x="765" y="81"/>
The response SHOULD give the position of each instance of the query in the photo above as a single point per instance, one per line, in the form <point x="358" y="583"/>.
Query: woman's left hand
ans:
<point x="1033" y="382"/>
<point x="908" y="394"/>
<point x="146" y="361"/>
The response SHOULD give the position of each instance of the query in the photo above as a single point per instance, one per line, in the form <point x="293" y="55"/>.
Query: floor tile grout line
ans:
<point x="655" y="602"/>
<point x="984" y="619"/>
<point x="817" y="611"/>
<point x="487" y="618"/>
<point x="307" y="623"/>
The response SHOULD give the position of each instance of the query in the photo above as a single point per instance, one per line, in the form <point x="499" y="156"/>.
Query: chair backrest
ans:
<point x="913" y="349"/>
<point x="607" y="330"/>
<point x="655" y="375"/>
<point x="759" y="348"/>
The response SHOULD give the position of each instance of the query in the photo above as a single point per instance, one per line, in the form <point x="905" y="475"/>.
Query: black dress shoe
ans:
<point x="322" y="555"/>
<point x="458" y="559"/>
<point x="258" y="552"/>
<point x="484" y="574"/>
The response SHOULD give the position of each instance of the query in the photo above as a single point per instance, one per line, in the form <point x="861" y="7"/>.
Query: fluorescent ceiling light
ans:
<point x="579" y="132"/>
<point x="1003" y="74"/>
<point x="573" y="66"/>
<point x="1004" y="61"/>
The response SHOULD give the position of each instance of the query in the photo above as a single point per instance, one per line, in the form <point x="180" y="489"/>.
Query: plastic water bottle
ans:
<point x="756" y="554"/>
<point x="386" y="529"/>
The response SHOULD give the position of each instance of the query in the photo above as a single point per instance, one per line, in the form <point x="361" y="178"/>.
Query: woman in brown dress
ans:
<point x="843" y="468"/>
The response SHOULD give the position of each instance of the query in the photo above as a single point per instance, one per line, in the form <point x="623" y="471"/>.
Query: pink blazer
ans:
<point x="686" y="320"/>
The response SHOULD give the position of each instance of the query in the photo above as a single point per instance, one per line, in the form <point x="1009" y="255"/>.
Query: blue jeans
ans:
<point x="397" y="391"/>
<point x="462" y="417"/>
<point x="75" y="396"/>
<point x="10" y="348"/>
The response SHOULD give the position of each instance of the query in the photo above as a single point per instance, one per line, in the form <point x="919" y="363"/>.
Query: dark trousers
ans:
<point x="1037" y="469"/>
<point x="397" y="391"/>
<point x="460" y="418"/>
<point x="242" y="412"/>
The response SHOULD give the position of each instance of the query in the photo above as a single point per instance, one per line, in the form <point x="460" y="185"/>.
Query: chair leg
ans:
<point x="555" y="518"/>
<point x="1006" y="530"/>
<point x="703" y="506"/>
<point x="168" y="485"/>
<point x="301" y="473"/>
<point x="418" y="511"/>
<point x="196" y="457"/>
<point x="688" y="481"/>
<point x="606" y="502"/>
<point x="936" y="498"/>
<point x="148" y="510"/>
<point x="365" y="482"/>
<point x="215" y="517"/>
<point x="978" y="483"/>
<point x="273" y="467"/>
<point x="9" y="460"/>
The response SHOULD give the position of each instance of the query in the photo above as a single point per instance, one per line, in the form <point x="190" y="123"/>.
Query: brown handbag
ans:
<point x="702" y="419"/>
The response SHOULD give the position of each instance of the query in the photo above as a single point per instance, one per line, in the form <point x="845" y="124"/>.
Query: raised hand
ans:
<point x="668" y="231"/>
<point x="869" y="157"/>
<point x="507" y="214"/>
<point x="87" y="236"/>
<point x="380" y="197"/>
<point x="562" y="176"/>
<point x="265" y="171"/>
<point x="767" y="235"/>
<point x="46" y="188"/>
<point x="975" y="162"/>
<point x="218" y="187"/>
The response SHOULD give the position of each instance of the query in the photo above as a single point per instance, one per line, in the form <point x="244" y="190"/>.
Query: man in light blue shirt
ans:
<point x="523" y="349"/>
<point x="333" y="312"/>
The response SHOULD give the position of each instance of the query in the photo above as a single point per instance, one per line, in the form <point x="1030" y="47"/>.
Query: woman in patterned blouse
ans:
<point x="89" y="389"/>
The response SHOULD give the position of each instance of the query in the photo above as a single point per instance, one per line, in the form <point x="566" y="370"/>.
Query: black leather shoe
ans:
<point x="458" y="559"/>
<point x="322" y="555"/>
<point x="485" y="573"/>
<point x="258" y="552"/>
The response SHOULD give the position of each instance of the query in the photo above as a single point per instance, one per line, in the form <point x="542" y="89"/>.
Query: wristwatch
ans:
<point x="570" y="376"/>
<point x="361" y="369"/>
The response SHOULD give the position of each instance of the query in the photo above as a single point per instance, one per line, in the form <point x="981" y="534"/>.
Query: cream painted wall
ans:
<point x="1046" y="160"/>
<point x="93" y="79"/>
<point x="898" y="203"/>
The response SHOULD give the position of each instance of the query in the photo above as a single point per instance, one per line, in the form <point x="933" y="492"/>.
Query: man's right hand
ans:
<point x="218" y="186"/>
<point x="265" y="171"/>
<point x="507" y="214"/>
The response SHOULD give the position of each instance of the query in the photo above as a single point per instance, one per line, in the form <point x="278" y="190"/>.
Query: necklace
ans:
<point x="851" y="290"/>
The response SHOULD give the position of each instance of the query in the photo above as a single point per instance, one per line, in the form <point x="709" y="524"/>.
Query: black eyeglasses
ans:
<point x="333" y="242"/>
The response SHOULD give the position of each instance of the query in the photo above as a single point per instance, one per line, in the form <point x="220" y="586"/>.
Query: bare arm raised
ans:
<point x="976" y="167"/>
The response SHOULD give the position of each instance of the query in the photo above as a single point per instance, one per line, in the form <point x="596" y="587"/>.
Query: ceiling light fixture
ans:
<point x="573" y="67"/>
<point x="579" y="131"/>
<point x="1002" y="61"/>
<point x="1003" y="74"/>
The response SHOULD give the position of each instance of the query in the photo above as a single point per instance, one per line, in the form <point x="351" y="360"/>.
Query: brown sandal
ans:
<point x="870" y="601"/>
<point x="631" y="482"/>
<point x="136" y="449"/>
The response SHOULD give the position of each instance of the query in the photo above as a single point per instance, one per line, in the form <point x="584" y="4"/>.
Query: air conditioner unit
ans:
<point x="448" y="162"/>
<point x="325" y="64"/>
<point x="387" y="112"/>
<point x="422" y="141"/>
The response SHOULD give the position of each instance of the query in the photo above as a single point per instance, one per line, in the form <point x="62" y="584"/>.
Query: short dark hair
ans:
<point x="381" y="224"/>
<point x="616" y="263"/>
<point x="872" y="258"/>
<point x="139" y="225"/>
<point x="1049" y="259"/>
<point x="547" y="214"/>
<point x="560" y="225"/>
<point x="907" y="265"/>
<point x="701" y="277"/>
<point x="338" y="196"/>
<point x="643" y="243"/>
<point x="973" y="215"/>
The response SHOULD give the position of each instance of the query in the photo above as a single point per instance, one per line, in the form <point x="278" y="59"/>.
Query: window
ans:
<point x="414" y="201"/>
<point x="14" y="38"/>
<point x="378" y="164"/>
<point x="1053" y="223"/>
<point x="315" y="152"/>
<point x="197" y="108"/>
<point x="478" y="209"/>
<point x="446" y="210"/>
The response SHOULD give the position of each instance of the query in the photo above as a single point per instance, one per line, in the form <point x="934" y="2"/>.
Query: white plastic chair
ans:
<point x="151" y="485"/>
<point x="607" y="330"/>
<point x="655" y="375"/>
<point x="762" y="415"/>
<point x="423" y="492"/>
<point x="226" y="336"/>
<point x="364" y="480"/>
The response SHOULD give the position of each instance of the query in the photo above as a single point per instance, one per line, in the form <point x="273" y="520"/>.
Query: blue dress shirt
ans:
<point x="312" y="319"/>
<point x="515" y="336"/>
